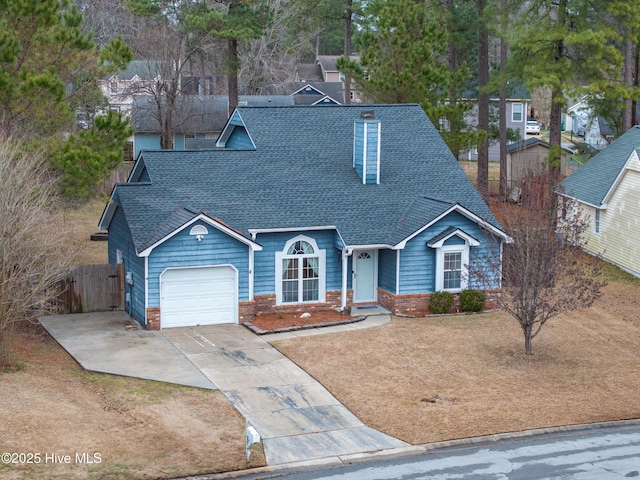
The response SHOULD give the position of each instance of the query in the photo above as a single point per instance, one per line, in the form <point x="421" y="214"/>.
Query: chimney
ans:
<point x="366" y="147"/>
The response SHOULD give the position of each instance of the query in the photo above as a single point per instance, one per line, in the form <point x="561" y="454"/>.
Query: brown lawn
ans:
<point x="418" y="379"/>
<point x="139" y="429"/>
<point x="79" y="223"/>
<point x="426" y="380"/>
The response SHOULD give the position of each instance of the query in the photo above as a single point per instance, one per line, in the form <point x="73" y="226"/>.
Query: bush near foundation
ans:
<point x="472" y="300"/>
<point x="441" y="302"/>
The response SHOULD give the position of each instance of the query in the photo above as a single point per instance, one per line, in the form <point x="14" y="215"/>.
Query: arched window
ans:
<point x="300" y="272"/>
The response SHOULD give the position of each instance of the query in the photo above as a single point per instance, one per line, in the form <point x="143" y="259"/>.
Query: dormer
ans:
<point x="366" y="147"/>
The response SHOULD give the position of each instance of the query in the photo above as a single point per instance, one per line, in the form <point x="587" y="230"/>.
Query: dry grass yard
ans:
<point x="426" y="380"/>
<point x="419" y="379"/>
<point x="140" y="429"/>
<point x="79" y="224"/>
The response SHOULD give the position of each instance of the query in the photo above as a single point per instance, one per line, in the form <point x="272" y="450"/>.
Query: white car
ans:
<point x="532" y="128"/>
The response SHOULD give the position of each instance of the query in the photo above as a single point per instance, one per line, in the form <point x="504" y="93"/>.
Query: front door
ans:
<point x="364" y="276"/>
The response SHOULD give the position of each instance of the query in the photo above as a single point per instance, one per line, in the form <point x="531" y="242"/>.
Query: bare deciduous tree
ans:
<point x="33" y="253"/>
<point x="544" y="270"/>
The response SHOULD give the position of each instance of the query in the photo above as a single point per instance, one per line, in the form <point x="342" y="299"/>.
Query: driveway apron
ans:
<point x="297" y="418"/>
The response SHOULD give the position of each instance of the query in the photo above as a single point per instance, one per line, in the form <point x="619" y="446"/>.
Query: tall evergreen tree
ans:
<point x="563" y="45"/>
<point x="234" y="21"/>
<point x="483" y="96"/>
<point x="625" y="15"/>
<point x="48" y="69"/>
<point x="46" y="64"/>
<point x="403" y="60"/>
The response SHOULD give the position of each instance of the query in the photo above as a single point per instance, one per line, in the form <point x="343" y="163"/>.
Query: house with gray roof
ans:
<point x="299" y="208"/>
<point x="607" y="191"/>
<point x="196" y="120"/>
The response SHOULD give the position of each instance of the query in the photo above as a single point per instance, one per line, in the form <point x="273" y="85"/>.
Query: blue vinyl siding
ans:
<point x="489" y="245"/>
<point x="239" y="139"/>
<point x="183" y="250"/>
<point x="417" y="260"/>
<point x="120" y="239"/>
<point x="144" y="176"/>
<point x="265" y="260"/>
<point x="178" y="142"/>
<point x="387" y="260"/>
<point x="358" y="148"/>
<point x="145" y="141"/>
<point x="235" y="119"/>
<point x="372" y="153"/>
<point x="365" y="150"/>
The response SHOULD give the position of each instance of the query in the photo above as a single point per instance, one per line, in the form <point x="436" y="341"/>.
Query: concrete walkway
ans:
<point x="297" y="418"/>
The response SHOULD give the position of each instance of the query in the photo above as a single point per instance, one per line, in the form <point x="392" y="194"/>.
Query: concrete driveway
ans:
<point x="297" y="418"/>
<point x="112" y="342"/>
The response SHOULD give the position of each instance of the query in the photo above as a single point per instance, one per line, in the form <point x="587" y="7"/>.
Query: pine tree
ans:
<point x="87" y="157"/>
<point x="234" y="21"/>
<point x="403" y="60"/>
<point x="563" y="45"/>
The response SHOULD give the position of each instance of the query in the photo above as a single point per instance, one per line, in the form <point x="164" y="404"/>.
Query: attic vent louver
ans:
<point x="366" y="147"/>
<point x="367" y="115"/>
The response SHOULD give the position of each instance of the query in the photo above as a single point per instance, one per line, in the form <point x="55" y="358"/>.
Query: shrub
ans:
<point x="441" y="302"/>
<point x="472" y="300"/>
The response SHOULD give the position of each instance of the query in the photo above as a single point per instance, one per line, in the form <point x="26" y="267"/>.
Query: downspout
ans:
<point x="398" y="272"/>
<point x="345" y="264"/>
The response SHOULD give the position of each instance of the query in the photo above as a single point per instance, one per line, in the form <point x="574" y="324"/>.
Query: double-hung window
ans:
<point x="300" y="272"/>
<point x="452" y="271"/>
<point x="516" y="112"/>
<point x="452" y="252"/>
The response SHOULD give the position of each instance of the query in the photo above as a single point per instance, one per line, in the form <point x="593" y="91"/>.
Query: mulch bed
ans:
<point x="286" y="321"/>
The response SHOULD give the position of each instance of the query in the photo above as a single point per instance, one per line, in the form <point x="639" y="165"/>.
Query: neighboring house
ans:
<point x="607" y="190"/>
<point x="582" y="122"/>
<point x="302" y="209"/>
<point x="530" y="157"/>
<point x="598" y="133"/>
<point x="321" y="93"/>
<point x="517" y="111"/>
<point x="310" y="93"/>
<point x="196" y="123"/>
<point x="309" y="73"/>
<point x="121" y="88"/>
<point x="325" y="70"/>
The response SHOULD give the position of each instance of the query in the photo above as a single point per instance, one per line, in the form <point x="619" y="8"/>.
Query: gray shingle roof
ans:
<point x="591" y="182"/>
<point x="530" y="142"/>
<point x="196" y="113"/>
<point x="301" y="175"/>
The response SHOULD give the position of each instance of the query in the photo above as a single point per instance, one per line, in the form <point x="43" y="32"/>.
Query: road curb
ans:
<point x="416" y="449"/>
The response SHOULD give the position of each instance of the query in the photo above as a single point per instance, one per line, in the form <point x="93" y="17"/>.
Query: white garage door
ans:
<point x="198" y="296"/>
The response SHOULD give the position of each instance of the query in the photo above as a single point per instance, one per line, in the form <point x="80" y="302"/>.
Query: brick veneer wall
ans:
<point x="415" y="305"/>
<point x="267" y="304"/>
<point x="153" y="318"/>
<point x="418" y="304"/>
<point x="246" y="311"/>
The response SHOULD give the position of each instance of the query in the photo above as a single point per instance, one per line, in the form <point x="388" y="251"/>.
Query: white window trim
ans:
<point x="597" y="219"/>
<point x="464" y="274"/>
<point x="513" y="120"/>
<point x="319" y="253"/>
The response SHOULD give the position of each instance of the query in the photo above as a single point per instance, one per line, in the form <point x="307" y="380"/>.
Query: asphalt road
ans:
<point x="593" y="453"/>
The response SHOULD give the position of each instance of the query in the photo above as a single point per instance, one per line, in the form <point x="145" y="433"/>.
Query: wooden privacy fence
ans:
<point x="92" y="288"/>
<point x="119" y="175"/>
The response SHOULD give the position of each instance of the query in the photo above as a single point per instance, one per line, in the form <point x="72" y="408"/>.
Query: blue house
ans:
<point x="298" y="208"/>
